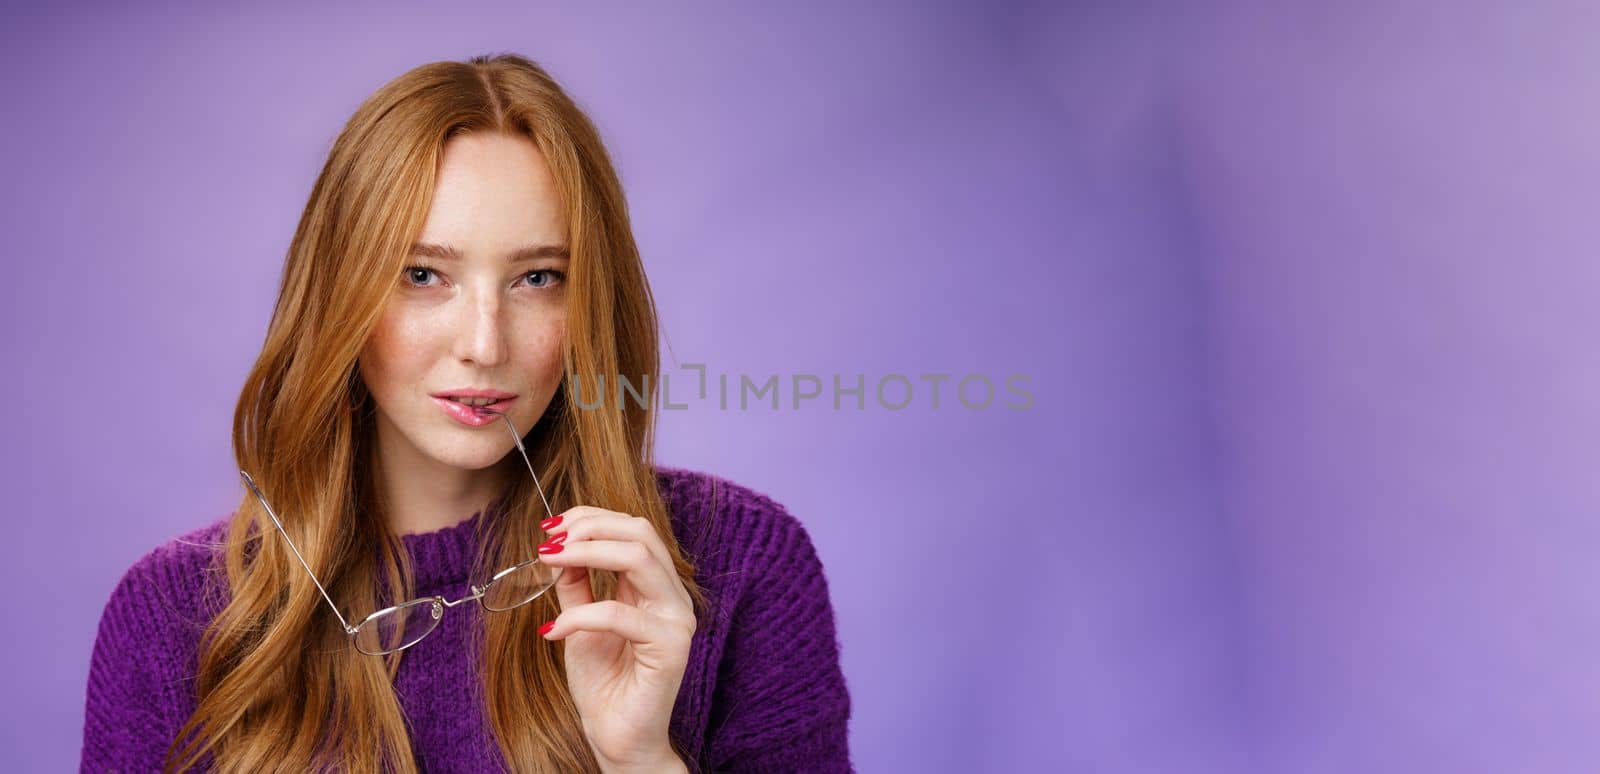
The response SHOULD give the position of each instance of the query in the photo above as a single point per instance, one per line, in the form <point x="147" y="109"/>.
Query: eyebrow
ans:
<point x="531" y="252"/>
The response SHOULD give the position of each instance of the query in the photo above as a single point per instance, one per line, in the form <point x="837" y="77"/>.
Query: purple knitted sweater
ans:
<point x="763" y="690"/>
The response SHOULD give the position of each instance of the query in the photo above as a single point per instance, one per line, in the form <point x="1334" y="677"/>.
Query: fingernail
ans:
<point x="545" y="627"/>
<point x="550" y="522"/>
<point x="549" y="548"/>
<point x="558" y="539"/>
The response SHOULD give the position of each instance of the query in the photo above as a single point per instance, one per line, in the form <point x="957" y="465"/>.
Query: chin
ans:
<point x="471" y="456"/>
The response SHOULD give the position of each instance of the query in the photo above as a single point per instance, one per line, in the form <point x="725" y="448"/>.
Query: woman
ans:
<point x="468" y="233"/>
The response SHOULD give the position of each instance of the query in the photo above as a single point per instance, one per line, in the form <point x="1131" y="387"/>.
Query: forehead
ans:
<point x="494" y="190"/>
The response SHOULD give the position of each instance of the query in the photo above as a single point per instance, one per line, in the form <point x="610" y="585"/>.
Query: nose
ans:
<point x="481" y="335"/>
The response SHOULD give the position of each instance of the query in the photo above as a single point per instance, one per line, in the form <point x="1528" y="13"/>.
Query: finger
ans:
<point x="629" y="557"/>
<point x="627" y="621"/>
<point x="572" y="588"/>
<point x="598" y="523"/>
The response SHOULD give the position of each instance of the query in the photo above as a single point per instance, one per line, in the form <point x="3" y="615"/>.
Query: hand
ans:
<point x="625" y="657"/>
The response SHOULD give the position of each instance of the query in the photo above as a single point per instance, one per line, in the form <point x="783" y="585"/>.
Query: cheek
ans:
<point x="555" y="337"/>
<point x="544" y="352"/>
<point x="395" y="354"/>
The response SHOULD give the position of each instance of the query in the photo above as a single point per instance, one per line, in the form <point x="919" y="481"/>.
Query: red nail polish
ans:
<point x="558" y="539"/>
<point x="545" y="627"/>
<point x="549" y="548"/>
<point x="550" y="522"/>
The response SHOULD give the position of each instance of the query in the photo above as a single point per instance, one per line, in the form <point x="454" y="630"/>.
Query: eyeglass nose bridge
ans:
<point x="477" y="593"/>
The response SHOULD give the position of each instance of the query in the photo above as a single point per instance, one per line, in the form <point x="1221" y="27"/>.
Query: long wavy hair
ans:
<point x="279" y="687"/>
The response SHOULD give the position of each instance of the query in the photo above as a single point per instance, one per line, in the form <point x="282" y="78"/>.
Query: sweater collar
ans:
<point x="442" y="559"/>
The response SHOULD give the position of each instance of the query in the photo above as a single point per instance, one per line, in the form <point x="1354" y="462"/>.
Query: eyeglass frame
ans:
<point x="437" y="614"/>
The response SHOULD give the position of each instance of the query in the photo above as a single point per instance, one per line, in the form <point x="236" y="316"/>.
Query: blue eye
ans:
<point x="554" y="275"/>
<point x="411" y="272"/>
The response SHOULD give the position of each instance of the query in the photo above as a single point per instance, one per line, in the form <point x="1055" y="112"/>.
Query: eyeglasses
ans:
<point x="401" y="626"/>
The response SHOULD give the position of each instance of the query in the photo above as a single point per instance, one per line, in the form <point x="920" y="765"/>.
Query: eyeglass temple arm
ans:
<point x="250" y="482"/>
<point x="517" y="437"/>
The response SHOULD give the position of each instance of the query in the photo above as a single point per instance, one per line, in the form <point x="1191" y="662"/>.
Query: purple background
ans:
<point x="1304" y="294"/>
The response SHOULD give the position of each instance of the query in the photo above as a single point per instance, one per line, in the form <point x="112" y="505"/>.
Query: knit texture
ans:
<point x="763" y="689"/>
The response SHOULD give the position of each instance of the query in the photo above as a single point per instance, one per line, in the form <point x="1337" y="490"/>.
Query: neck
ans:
<point x="424" y="495"/>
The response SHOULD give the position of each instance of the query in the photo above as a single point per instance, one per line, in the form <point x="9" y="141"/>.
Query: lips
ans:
<point x="473" y="416"/>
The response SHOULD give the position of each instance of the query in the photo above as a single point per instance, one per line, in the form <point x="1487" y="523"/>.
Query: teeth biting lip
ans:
<point x="492" y="405"/>
<point x="475" y="404"/>
<point x="473" y="415"/>
<point x="463" y="403"/>
<point x="462" y="396"/>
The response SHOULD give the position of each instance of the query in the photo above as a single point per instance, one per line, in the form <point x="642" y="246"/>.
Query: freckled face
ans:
<point x="470" y="316"/>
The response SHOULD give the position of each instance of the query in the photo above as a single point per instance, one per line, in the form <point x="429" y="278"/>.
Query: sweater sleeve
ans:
<point x="781" y="700"/>
<point x="133" y="673"/>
